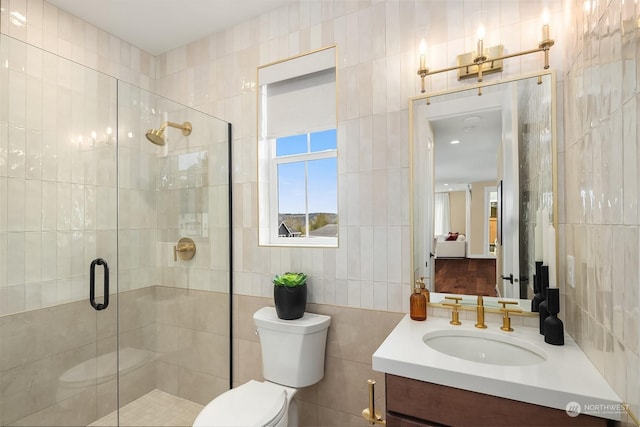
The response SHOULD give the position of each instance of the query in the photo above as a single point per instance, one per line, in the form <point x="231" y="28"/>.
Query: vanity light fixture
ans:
<point x="485" y="60"/>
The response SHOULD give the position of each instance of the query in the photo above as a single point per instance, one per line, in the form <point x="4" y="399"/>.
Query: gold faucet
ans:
<point x="455" y="315"/>
<point x="506" y="320"/>
<point x="480" y="314"/>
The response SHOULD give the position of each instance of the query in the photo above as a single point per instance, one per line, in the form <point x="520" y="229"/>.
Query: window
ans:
<point x="297" y="152"/>
<point x="304" y="183"/>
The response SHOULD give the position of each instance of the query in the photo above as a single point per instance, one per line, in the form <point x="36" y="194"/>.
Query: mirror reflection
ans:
<point x="482" y="169"/>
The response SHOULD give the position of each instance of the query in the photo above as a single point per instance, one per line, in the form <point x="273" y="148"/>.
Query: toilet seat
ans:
<point x="252" y="404"/>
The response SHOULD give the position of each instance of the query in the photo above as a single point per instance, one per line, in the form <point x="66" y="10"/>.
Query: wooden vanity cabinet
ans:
<point x="413" y="403"/>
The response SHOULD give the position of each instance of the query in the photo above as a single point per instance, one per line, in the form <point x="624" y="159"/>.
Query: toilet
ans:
<point x="292" y="358"/>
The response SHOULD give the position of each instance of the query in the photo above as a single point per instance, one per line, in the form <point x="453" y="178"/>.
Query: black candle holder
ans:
<point x="537" y="297"/>
<point x="553" y="327"/>
<point x="543" y="307"/>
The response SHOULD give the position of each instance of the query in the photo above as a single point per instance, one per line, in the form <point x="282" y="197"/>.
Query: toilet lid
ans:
<point x="252" y="404"/>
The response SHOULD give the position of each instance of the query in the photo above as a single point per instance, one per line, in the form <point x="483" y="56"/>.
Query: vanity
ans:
<point x="442" y="375"/>
<point x="439" y="374"/>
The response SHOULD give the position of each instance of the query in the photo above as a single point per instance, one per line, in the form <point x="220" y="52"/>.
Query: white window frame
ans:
<point x="274" y="224"/>
<point x="267" y="179"/>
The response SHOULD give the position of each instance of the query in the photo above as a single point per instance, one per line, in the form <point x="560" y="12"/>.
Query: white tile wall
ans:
<point x="60" y="33"/>
<point x="600" y="156"/>
<point x="376" y="44"/>
<point x="54" y="175"/>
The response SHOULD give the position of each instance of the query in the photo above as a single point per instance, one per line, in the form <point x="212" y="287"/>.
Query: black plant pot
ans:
<point x="290" y="302"/>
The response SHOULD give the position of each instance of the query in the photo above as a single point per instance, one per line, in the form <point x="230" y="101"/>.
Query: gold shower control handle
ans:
<point x="370" y="414"/>
<point x="185" y="249"/>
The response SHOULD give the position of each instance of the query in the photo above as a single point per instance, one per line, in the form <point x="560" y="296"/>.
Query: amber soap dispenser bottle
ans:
<point x="423" y="289"/>
<point x="418" y="304"/>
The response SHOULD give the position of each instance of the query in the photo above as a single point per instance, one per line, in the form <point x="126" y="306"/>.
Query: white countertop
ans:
<point x="566" y="376"/>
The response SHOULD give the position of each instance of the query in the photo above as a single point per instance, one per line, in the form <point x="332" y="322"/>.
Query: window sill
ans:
<point x="303" y="243"/>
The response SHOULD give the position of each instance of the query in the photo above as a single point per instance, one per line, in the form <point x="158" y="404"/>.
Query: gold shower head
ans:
<point x="156" y="136"/>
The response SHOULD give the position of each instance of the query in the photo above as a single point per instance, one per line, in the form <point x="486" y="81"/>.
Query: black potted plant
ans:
<point x="290" y="295"/>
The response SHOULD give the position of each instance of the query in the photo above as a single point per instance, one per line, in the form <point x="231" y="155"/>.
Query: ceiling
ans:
<point x="157" y="26"/>
<point x="474" y="158"/>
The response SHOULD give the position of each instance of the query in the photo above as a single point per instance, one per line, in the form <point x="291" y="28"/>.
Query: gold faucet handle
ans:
<point x="511" y="310"/>
<point x="450" y="304"/>
<point x="504" y="303"/>
<point x="506" y="310"/>
<point x="506" y="320"/>
<point x="452" y="298"/>
<point x="455" y="314"/>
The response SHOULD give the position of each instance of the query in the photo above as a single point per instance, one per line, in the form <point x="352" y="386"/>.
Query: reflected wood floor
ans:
<point x="466" y="276"/>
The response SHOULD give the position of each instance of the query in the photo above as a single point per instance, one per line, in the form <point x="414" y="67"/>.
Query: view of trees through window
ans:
<point x="307" y="185"/>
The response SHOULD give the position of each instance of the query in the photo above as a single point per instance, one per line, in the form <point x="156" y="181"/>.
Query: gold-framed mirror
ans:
<point x="502" y="199"/>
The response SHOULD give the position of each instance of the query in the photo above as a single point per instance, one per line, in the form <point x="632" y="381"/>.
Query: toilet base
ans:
<point x="268" y="402"/>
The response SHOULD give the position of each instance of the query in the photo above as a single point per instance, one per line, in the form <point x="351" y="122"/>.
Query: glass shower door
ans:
<point x="58" y="208"/>
<point x="173" y="258"/>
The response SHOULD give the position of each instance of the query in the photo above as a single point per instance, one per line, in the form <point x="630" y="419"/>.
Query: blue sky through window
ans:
<point x="288" y="145"/>
<point x="325" y="140"/>
<point x="291" y="188"/>
<point x="323" y="185"/>
<point x="322" y="175"/>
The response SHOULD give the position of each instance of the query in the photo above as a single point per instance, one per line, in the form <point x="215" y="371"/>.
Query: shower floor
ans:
<point x="155" y="408"/>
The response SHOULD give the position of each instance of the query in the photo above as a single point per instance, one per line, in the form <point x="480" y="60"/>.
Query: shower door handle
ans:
<point x="92" y="284"/>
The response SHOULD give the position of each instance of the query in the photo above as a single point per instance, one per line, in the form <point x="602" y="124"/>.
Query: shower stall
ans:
<point x="115" y="279"/>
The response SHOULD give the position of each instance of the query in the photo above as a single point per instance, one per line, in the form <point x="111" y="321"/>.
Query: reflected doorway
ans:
<point x="491" y="222"/>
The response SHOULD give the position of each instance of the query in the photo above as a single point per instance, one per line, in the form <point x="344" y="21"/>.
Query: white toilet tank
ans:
<point x="292" y="350"/>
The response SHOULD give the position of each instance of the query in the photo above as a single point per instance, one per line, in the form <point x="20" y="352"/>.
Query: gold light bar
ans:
<point x="485" y="61"/>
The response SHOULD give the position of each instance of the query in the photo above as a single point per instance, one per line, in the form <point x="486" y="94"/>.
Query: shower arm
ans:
<point x="185" y="127"/>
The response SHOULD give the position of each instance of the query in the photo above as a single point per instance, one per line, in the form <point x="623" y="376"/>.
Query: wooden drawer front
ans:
<point x="399" y="421"/>
<point x="442" y="405"/>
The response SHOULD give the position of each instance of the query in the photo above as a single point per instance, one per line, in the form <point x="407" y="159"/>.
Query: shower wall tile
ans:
<point x="58" y="32"/>
<point x="33" y="389"/>
<point x="47" y="133"/>
<point x="192" y="328"/>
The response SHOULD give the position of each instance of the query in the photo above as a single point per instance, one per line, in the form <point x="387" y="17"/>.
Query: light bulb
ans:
<point x="423" y="46"/>
<point x="545" y="25"/>
<point x="481" y="32"/>
<point x="423" y="51"/>
<point x="545" y="16"/>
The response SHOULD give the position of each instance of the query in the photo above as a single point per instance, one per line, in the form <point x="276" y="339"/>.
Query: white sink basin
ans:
<point x="485" y="347"/>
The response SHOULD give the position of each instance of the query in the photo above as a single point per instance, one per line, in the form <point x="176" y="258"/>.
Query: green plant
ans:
<point x="290" y="280"/>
